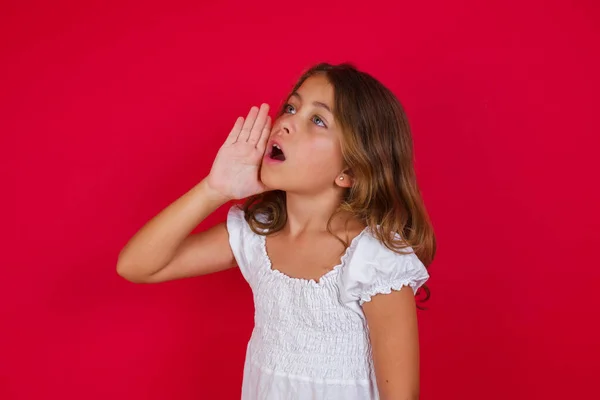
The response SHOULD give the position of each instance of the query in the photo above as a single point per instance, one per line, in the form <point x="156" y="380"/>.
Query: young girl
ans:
<point x="333" y="239"/>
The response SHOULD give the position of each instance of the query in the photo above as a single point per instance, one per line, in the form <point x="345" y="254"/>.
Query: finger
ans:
<point x="259" y="124"/>
<point x="235" y="131"/>
<point x="247" y="127"/>
<point x="264" y="136"/>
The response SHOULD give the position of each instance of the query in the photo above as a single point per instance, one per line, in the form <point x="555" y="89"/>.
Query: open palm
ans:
<point x="235" y="171"/>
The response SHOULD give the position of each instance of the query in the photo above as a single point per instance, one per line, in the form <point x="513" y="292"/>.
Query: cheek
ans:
<point x="324" y="153"/>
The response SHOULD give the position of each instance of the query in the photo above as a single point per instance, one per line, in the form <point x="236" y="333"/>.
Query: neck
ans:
<point x="311" y="213"/>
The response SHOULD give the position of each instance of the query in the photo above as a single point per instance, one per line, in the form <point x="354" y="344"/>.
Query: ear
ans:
<point x="344" y="179"/>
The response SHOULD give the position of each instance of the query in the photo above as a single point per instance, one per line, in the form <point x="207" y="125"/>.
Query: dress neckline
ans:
<point x="310" y="282"/>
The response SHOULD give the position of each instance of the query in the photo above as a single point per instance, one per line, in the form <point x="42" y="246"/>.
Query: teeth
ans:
<point x="276" y="146"/>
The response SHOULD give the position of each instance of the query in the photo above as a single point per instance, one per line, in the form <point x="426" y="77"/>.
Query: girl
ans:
<point x="333" y="239"/>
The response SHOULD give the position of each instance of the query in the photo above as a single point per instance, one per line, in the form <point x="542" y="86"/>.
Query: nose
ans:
<point x="286" y="126"/>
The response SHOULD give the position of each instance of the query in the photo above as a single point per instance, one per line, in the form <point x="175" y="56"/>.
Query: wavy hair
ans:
<point x="377" y="148"/>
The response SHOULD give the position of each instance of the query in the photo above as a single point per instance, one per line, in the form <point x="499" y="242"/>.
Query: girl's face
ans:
<point x="303" y="153"/>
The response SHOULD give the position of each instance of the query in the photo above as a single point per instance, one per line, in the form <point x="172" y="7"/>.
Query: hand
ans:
<point x="235" y="171"/>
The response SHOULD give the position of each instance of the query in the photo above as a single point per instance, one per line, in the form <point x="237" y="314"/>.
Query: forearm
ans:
<point x="155" y="244"/>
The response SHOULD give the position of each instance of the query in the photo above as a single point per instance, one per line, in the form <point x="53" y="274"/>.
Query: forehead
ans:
<point x="317" y="88"/>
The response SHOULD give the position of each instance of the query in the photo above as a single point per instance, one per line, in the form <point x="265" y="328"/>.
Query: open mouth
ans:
<point x="276" y="153"/>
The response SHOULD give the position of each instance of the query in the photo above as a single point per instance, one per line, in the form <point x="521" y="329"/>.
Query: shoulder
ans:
<point x="236" y="218"/>
<point x="235" y="213"/>
<point x="237" y="226"/>
<point x="373" y="268"/>
<point x="245" y="244"/>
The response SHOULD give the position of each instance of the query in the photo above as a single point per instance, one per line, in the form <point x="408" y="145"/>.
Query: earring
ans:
<point x="341" y="178"/>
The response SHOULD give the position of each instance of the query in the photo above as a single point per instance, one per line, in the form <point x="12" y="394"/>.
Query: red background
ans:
<point x="110" y="111"/>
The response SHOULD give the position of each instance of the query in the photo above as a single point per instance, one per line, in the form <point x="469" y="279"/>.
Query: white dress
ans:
<point x="310" y="339"/>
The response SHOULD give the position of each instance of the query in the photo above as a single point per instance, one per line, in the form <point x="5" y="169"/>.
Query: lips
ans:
<point x="275" y="152"/>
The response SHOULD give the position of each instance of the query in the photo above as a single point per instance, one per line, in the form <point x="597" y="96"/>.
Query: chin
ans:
<point x="271" y="179"/>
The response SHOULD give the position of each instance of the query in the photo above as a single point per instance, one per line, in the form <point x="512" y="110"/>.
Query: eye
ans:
<point x="317" y="120"/>
<point x="289" y="109"/>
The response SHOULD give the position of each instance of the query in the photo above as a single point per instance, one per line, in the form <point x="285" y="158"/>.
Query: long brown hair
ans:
<point x="377" y="147"/>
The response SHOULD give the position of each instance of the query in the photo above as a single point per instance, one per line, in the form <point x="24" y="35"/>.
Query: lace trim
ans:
<point x="386" y="288"/>
<point x="326" y="277"/>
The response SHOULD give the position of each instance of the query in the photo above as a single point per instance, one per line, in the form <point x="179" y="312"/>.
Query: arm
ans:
<point x="393" y="331"/>
<point x="164" y="249"/>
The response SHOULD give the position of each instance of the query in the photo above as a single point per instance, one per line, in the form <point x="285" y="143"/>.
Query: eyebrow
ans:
<point x="315" y="103"/>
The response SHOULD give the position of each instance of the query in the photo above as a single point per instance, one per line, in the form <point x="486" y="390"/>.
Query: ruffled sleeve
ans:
<point x="238" y="228"/>
<point x="375" y="269"/>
